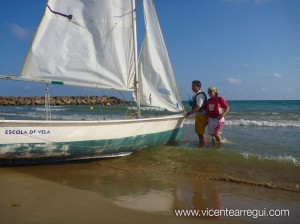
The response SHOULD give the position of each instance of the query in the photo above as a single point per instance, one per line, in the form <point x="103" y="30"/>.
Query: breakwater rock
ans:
<point x="60" y="100"/>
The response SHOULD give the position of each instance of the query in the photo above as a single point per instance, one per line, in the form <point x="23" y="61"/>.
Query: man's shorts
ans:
<point x="214" y="124"/>
<point x="201" y="121"/>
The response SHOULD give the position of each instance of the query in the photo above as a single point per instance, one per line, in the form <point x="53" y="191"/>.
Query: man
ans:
<point x="198" y="104"/>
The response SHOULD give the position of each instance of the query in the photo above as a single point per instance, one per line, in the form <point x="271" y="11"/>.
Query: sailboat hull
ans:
<point x="39" y="141"/>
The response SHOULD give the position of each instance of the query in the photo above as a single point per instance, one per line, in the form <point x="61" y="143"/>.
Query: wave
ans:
<point x="52" y="109"/>
<point x="278" y="172"/>
<point x="256" y="123"/>
<point x="76" y="117"/>
<point x="280" y="159"/>
<point x="40" y="108"/>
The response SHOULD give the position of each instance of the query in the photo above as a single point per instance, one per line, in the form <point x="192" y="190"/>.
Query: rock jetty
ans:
<point x="60" y="100"/>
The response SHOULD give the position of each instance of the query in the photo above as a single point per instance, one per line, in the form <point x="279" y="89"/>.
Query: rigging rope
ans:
<point x="136" y="113"/>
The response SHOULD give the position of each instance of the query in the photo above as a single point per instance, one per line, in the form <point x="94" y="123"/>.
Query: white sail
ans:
<point x="156" y="74"/>
<point x="84" y="43"/>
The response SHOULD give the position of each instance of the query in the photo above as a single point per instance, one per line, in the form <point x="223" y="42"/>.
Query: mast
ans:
<point x="136" y="81"/>
<point x="47" y="105"/>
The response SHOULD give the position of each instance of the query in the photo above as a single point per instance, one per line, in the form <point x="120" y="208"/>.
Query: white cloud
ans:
<point x="233" y="81"/>
<point x="246" y="66"/>
<point x="260" y="2"/>
<point x="236" y="1"/>
<point x="276" y="75"/>
<point x="256" y="2"/>
<point x="20" y="32"/>
<point x="27" y="87"/>
<point x="260" y="74"/>
<point x="264" y="89"/>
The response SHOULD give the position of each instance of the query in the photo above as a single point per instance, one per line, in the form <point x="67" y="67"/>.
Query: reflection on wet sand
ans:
<point x="163" y="192"/>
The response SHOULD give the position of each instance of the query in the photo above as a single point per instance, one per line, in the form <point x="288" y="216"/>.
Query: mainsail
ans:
<point x="92" y="43"/>
<point x="157" y="83"/>
<point x="84" y="43"/>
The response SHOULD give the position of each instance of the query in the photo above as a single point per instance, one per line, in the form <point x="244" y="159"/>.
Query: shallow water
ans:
<point x="261" y="143"/>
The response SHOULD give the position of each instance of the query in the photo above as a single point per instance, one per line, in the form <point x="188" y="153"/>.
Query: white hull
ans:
<point x="84" y="139"/>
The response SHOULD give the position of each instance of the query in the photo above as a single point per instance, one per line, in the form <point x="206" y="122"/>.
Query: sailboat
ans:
<point x="93" y="43"/>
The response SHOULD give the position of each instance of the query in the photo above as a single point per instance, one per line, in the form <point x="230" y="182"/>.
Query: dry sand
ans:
<point x="27" y="199"/>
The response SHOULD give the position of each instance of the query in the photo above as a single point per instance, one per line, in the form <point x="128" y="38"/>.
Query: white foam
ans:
<point x="290" y="159"/>
<point x="226" y="141"/>
<point x="62" y="117"/>
<point x="255" y="123"/>
<point x="42" y="109"/>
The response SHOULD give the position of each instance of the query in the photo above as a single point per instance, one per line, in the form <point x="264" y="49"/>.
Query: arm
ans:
<point x="200" y="101"/>
<point x="192" y="111"/>
<point x="224" y="113"/>
<point x="224" y="104"/>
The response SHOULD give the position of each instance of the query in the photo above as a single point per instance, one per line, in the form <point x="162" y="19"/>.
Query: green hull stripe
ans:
<point x="57" y="82"/>
<point x="86" y="149"/>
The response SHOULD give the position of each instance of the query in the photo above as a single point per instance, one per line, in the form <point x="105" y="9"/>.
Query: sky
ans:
<point x="248" y="49"/>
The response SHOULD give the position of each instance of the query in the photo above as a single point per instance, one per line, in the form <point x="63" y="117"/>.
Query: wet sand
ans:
<point x="28" y="199"/>
<point x="126" y="190"/>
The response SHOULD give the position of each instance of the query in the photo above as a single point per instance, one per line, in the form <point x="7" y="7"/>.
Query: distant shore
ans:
<point x="60" y="100"/>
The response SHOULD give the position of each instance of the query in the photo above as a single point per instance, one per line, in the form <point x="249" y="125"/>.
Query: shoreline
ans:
<point x="60" y="100"/>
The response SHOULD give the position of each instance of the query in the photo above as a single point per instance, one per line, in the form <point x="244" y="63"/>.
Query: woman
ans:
<point x="217" y="108"/>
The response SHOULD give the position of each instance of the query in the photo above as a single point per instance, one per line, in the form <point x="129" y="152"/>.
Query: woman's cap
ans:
<point x="212" y="88"/>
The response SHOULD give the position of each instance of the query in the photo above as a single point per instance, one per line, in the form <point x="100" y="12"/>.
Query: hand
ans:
<point x="186" y="115"/>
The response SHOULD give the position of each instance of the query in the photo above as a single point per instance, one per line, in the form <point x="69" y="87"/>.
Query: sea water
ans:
<point x="260" y="154"/>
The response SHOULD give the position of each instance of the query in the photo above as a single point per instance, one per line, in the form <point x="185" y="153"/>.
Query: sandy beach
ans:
<point x="27" y="199"/>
